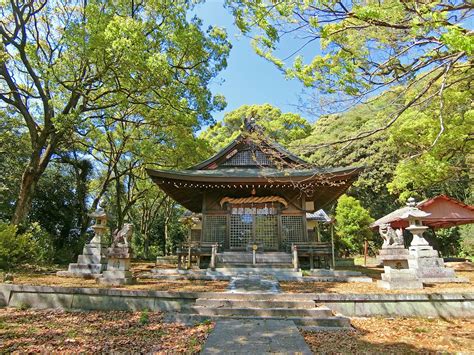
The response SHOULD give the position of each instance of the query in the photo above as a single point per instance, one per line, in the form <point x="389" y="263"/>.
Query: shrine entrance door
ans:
<point x="251" y="224"/>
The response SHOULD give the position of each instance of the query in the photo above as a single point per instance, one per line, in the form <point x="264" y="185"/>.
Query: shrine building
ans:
<point x="254" y="192"/>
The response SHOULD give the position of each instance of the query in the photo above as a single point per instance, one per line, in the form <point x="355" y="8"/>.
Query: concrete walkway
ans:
<point x="237" y="336"/>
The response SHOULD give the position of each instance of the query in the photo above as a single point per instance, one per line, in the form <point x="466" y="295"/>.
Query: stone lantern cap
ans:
<point x="99" y="213"/>
<point x="412" y="212"/>
<point x="415" y="213"/>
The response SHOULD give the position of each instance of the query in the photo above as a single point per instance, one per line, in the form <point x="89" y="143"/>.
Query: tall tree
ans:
<point x="361" y="47"/>
<point x="65" y="62"/>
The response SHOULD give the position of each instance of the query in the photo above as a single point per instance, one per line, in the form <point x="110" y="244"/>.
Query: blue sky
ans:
<point x="248" y="78"/>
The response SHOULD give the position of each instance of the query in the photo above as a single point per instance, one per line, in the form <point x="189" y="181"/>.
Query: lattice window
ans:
<point x="266" y="231"/>
<point x="247" y="157"/>
<point x="240" y="230"/>
<point x="215" y="229"/>
<point x="292" y="229"/>
<point x="195" y="235"/>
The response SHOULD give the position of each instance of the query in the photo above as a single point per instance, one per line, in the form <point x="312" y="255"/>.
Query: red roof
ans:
<point x="445" y="212"/>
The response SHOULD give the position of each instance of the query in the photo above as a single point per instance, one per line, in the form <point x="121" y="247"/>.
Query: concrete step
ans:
<point x="320" y="312"/>
<point x="86" y="268"/>
<point x="177" y="272"/>
<point x="277" y="272"/>
<point x="226" y="303"/>
<point x="333" y="322"/>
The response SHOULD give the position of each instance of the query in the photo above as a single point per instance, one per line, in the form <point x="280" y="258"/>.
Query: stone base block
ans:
<point x="335" y="273"/>
<point x="434" y="280"/>
<point x="116" y="281"/>
<point x="94" y="249"/>
<point x="400" y="285"/>
<point x="395" y="263"/>
<point x="423" y="252"/>
<point x="91" y="259"/>
<point x="86" y="268"/>
<point x="117" y="274"/>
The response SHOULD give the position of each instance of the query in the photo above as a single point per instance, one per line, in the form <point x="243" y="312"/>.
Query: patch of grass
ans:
<point x="421" y="330"/>
<point x="144" y="317"/>
<point x="72" y="333"/>
<point x="23" y="306"/>
<point x="193" y="342"/>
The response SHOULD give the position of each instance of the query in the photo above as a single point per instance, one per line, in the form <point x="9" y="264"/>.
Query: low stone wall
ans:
<point x="449" y="305"/>
<point x="459" y="305"/>
<point x="93" y="298"/>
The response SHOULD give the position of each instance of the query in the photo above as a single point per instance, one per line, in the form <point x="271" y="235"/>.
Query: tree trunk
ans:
<point x="23" y="205"/>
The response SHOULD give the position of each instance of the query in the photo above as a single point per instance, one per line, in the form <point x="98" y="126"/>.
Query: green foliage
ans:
<point x="435" y="145"/>
<point x="359" y="46"/>
<point x="467" y="241"/>
<point x="352" y="224"/>
<point x="15" y="248"/>
<point x="283" y="128"/>
<point x="144" y="317"/>
<point x="144" y="63"/>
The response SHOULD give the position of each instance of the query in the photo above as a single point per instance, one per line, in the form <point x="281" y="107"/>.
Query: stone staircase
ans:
<point x="303" y="312"/>
<point x="269" y="263"/>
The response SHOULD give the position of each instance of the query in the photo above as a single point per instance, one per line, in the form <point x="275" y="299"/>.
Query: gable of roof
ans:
<point x="247" y="150"/>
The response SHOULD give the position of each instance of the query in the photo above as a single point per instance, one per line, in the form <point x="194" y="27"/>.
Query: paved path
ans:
<point x="237" y="336"/>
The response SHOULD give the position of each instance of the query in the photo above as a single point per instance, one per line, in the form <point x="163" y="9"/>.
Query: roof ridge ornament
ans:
<point x="250" y="125"/>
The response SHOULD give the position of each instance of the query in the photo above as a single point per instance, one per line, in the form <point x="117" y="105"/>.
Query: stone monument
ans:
<point x="425" y="261"/>
<point x="393" y="252"/>
<point x="92" y="262"/>
<point x="395" y="259"/>
<point x="119" y="255"/>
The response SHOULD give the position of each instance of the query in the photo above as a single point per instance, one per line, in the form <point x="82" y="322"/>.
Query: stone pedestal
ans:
<point x="429" y="267"/>
<point x="399" y="279"/>
<point x="118" y="267"/>
<point x="394" y="256"/>
<point x="90" y="264"/>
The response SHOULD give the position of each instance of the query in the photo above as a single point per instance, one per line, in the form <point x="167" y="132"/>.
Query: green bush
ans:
<point x="15" y="248"/>
<point x="352" y="225"/>
<point x="34" y="246"/>
<point x="43" y="243"/>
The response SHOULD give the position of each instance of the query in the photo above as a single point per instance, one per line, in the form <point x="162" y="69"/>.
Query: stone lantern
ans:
<point x="425" y="261"/>
<point x="415" y="218"/>
<point x="100" y="225"/>
<point x="93" y="261"/>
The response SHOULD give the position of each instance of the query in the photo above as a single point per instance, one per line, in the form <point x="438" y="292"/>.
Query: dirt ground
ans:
<point x="363" y="287"/>
<point x="49" y="278"/>
<point x="396" y="336"/>
<point x="142" y="284"/>
<point x="46" y="331"/>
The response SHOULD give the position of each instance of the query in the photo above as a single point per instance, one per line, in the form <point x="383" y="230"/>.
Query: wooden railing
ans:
<point x="315" y="251"/>
<point x="188" y="251"/>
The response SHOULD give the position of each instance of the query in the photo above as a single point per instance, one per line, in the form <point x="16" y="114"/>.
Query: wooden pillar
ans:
<point x="332" y="247"/>
<point x="213" y="257"/>
<point x="296" y="266"/>
<point x="318" y="233"/>
<point x="189" y="258"/>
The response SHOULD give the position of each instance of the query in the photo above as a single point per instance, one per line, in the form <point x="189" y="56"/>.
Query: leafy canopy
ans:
<point x="358" y="48"/>
<point x="283" y="128"/>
